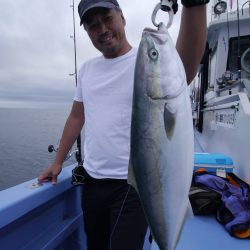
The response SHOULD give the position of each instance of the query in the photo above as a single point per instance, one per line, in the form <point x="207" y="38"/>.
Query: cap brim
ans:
<point x="98" y="5"/>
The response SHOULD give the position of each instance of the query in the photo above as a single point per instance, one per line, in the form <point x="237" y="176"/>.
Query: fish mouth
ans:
<point x="151" y="30"/>
<point x="159" y="36"/>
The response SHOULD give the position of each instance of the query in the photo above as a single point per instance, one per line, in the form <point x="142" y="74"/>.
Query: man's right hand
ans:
<point x="71" y="130"/>
<point x="51" y="173"/>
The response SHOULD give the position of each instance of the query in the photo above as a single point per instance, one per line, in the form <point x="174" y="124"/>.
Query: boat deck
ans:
<point x="205" y="233"/>
<point x="41" y="218"/>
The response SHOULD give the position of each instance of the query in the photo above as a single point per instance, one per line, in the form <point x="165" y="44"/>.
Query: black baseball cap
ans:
<point x="86" y="5"/>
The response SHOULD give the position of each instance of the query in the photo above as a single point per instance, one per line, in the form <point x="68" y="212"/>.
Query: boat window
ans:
<point x="245" y="61"/>
<point x="234" y="44"/>
<point x="212" y="70"/>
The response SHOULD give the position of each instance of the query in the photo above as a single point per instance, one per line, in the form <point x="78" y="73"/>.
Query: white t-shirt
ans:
<point x="105" y="86"/>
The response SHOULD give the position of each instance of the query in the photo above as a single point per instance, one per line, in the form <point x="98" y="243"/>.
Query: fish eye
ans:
<point x="153" y="54"/>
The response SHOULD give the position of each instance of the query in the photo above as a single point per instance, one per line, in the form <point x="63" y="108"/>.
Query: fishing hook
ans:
<point x="165" y="5"/>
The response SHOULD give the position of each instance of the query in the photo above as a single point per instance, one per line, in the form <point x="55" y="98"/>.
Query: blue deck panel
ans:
<point x="205" y="233"/>
<point x="45" y="217"/>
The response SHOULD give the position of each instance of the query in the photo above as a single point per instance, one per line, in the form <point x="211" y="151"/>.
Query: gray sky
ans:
<point x="36" y="51"/>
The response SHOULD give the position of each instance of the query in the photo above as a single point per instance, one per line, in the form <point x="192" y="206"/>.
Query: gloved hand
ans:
<point x="192" y="3"/>
<point x="165" y="7"/>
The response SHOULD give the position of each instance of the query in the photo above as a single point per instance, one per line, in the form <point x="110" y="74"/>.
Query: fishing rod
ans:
<point x="74" y="38"/>
<point x="78" y="141"/>
<point x="228" y="42"/>
<point x="77" y="152"/>
<point x="78" y="173"/>
<point x="219" y="8"/>
<point x="238" y="50"/>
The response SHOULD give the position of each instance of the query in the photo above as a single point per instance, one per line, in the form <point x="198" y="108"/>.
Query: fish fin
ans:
<point x="169" y="121"/>
<point x="131" y="176"/>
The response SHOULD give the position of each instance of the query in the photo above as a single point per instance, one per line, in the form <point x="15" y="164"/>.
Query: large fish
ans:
<point x="161" y="158"/>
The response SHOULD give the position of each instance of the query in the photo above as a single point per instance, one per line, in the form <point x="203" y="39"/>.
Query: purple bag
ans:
<point x="234" y="211"/>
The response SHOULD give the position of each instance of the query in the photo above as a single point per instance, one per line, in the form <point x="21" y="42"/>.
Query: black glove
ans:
<point x="192" y="3"/>
<point x="174" y="6"/>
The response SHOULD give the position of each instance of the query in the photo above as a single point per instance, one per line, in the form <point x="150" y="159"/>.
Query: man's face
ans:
<point x="105" y="28"/>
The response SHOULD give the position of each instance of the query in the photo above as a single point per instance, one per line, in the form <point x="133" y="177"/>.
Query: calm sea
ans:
<point x="25" y="134"/>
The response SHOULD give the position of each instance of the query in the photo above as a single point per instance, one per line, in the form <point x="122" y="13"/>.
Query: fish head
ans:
<point x="160" y="63"/>
<point x="161" y="74"/>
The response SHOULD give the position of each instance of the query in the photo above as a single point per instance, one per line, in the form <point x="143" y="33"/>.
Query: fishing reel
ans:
<point x="220" y="7"/>
<point x="225" y="80"/>
<point x="79" y="174"/>
<point x="51" y="149"/>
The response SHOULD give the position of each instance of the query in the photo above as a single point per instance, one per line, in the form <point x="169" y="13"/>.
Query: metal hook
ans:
<point x="164" y="5"/>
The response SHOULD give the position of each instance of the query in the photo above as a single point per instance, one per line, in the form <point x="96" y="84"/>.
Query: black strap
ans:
<point x="193" y="3"/>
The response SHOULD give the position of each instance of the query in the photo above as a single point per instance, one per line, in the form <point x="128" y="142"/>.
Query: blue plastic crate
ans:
<point x="213" y="162"/>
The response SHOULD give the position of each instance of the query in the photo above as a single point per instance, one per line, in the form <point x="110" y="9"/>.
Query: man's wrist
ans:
<point x="193" y="3"/>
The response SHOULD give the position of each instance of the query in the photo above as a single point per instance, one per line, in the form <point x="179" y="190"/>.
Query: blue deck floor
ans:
<point x="205" y="233"/>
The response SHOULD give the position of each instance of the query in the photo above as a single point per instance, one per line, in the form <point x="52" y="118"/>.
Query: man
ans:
<point x="113" y="216"/>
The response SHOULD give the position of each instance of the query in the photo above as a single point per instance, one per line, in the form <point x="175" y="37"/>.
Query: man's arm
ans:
<point x="192" y="38"/>
<point x="71" y="131"/>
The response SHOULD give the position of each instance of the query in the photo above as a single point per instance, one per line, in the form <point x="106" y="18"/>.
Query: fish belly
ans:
<point x="162" y="167"/>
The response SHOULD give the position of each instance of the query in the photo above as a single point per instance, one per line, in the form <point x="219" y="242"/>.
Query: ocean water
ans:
<point x="25" y="134"/>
